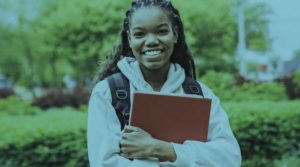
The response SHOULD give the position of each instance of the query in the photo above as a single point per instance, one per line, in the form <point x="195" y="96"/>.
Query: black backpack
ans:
<point x="120" y="93"/>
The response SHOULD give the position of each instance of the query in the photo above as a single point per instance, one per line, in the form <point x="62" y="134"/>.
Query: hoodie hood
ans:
<point x="131" y="69"/>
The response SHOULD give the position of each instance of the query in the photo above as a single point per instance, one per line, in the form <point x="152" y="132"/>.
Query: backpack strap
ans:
<point x="120" y="94"/>
<point x="191" y="86"/>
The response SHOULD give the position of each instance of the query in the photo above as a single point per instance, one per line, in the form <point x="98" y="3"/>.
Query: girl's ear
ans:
<point x="175" y="31"/>
<point x="129" y="39"/>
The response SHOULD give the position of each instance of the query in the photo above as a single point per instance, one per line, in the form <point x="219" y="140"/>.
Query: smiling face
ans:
<point x="152" y="38"/>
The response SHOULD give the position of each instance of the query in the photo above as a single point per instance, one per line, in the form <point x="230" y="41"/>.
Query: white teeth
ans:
<point x="152" y="52"/>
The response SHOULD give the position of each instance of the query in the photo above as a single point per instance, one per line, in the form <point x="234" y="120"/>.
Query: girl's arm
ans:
<point x="104" y="135"/>
<point x="138" y="144"/>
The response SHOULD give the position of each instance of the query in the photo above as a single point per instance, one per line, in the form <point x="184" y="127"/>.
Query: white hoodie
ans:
<point x="104" y="134"/>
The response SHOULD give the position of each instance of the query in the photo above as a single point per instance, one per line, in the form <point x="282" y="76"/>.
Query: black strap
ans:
<point x="120" y="94"/>
<point x="191" y="86"/>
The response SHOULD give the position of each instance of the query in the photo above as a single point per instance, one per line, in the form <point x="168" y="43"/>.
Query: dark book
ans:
<point x="171" y="117"/>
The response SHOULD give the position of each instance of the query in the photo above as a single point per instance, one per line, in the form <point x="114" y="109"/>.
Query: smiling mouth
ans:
<point x="152" y="52"/>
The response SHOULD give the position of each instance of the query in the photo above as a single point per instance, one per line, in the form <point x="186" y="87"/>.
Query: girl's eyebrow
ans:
<point x="162" y="25"/>
<point x="158" y="26"/>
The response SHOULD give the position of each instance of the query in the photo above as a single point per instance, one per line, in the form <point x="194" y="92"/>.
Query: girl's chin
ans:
<point x="154" y="65"/>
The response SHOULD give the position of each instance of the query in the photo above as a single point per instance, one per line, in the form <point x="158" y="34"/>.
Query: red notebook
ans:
<point x="171" y="117"/>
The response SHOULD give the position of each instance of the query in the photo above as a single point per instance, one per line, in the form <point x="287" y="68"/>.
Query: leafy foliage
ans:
<point x="223" y="85"/>
<point x="10" y="59"/>
<point x="297" y="53"/>
<point x="218" y="81"/>
<point x="211" y="35"/>
<point x="271" y="91"/>
<point x="292" y="85"/>
<point x="70" y="37"/>
<point x="61" y="98"/>
<point x="4" y="93"/>
<point x="257" y="26"/>
<point x="54" y="138"/>
<point x="296" y="81"/>
<point x="16" y="107"/>
<point x="290" y="161"/>
<point x="265" y="130"/>
<point x="77" y="38"/>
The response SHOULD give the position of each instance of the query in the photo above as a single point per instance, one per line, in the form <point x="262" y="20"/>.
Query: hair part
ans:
<point x="180" y="55"/>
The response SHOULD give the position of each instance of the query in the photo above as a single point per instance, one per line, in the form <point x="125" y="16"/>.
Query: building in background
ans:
<point x="260" y="66"/>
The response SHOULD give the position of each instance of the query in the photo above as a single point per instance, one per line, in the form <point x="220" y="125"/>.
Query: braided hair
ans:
<point x="180" y="55"/>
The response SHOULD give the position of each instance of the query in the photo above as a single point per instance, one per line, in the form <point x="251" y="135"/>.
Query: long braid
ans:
<point x="180" y="55"/>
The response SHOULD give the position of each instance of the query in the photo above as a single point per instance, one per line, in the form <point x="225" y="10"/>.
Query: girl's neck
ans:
<point x="156" y="78"/>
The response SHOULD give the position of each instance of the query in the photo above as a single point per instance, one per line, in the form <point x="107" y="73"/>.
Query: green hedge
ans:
<point x="223" y="85"/>
<point x="296" y="80"/>
<point x="288" y="161"/>
<point x="267" y="132"/>
<point x="267" y="91"/>
<point x="13" y="105"/>
<point x="54" y="138"/>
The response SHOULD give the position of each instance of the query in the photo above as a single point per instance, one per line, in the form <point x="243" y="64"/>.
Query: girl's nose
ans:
<point x="151" y="40"/>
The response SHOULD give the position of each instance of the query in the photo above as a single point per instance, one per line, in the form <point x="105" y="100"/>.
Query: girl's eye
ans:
<point x="163" y="32"/>
<point x="138" y="34"/>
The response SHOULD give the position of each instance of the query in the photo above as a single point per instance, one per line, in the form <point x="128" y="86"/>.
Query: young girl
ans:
<point x="153" y="56"/>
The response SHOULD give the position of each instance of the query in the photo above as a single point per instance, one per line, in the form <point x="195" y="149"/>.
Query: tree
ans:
<point x="70" y="37"/>
<point x="211" y="33"/>
<point x="297" y="53"/>
<point x="211" y="30"/>
<point x="76" y="39"/>
<point x="10" y="59"/>
<point x="257" y="26"/>
<point x="16" y="54"/>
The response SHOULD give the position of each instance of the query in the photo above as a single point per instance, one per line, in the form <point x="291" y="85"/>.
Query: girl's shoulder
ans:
<point x="207" y="92"/>
<point x="101" y="91"/>
<point x="101" y="87"/>
<point x="109" y="85"/>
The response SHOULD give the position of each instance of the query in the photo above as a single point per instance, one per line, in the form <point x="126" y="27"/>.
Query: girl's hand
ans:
<point x="138" y="144"/>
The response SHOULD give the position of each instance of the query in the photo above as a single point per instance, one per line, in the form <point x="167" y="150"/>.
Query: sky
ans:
<point x="284" y="26"/>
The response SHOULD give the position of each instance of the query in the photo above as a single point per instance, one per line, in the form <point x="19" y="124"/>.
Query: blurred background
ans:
<point x="246" y="51"/>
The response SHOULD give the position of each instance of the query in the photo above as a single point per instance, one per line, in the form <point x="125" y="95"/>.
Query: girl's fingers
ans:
<point x="129" y="129"/>
<point x="123" y="149"/>
<point x="124" y="155"/>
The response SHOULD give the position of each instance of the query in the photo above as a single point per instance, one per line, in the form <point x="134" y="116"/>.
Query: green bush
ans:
<point x="55" y="138"/>
<point x="288" y="161"/>
<point x="5" y="92"/>
<point x="296" y="82"/>
<point x="59" y="98"/>
<point x="268" y="91"/>
<point x="16" y="106"/>
<point x="265" y="130"/>
<point x="223" y="85"/>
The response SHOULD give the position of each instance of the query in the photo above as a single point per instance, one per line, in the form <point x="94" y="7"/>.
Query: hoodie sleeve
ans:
<point x="104" y="134"/>
<point x="221" y="149"/>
